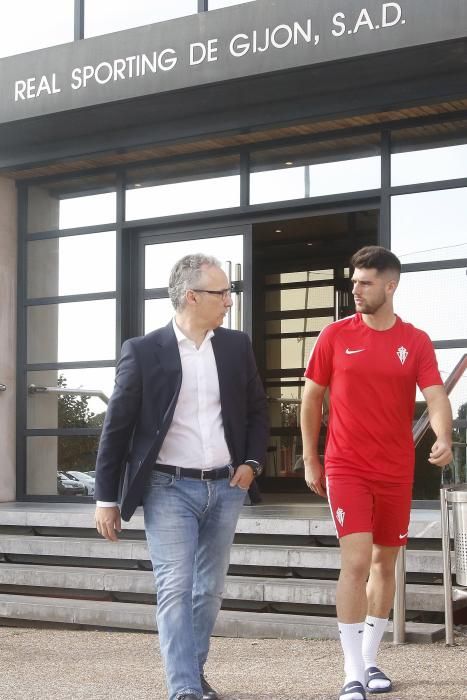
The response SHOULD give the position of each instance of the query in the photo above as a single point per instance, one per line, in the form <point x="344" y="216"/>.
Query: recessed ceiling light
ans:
<point x="278" y="230"/>
<point x="137" y="184"/>
<point x="309" y="243"/>
<point x="289" y="162"/>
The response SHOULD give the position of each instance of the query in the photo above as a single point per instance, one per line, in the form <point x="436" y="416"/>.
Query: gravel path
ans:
<point x="43" y="664"/>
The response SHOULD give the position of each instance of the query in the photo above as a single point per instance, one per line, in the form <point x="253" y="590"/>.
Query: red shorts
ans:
<point x="379" y="507"/>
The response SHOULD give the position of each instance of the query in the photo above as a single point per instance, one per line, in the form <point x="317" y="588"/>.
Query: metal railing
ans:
<point x="38" y="389"/>
<point x="419" y="431"/>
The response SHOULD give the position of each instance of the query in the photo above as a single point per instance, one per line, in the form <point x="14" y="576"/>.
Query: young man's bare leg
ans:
<point x="351" y="604"/>
<point x="380" y="594"/>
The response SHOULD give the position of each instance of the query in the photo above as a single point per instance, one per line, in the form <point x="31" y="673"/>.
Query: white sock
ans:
<point x="351" y="637"/>
<point x="372" y="636"/>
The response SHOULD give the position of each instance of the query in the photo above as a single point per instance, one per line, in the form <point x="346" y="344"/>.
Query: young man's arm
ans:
<point x="439" y="411"/>
<point x="310" y="420"/>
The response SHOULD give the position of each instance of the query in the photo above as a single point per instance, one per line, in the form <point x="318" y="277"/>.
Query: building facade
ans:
<point x="280" y="137"/>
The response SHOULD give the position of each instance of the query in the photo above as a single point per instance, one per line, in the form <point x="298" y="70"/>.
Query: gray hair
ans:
<point x="186" y="274"/>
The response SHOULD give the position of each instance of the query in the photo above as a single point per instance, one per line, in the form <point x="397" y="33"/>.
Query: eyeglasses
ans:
<point x="223" y="293"/>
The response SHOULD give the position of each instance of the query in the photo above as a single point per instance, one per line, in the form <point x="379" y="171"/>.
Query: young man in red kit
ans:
<point x="371" y="362"/>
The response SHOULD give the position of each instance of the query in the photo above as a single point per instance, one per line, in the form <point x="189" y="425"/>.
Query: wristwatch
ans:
<point x="256" y="466"/>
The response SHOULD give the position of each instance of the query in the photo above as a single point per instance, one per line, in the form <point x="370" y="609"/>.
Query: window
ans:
<point x="315" y="169"/>
<point x="429" y="225"/>
<point x="434" y="300"/>
<point x="50" y="409"/>
<point x="181" y="187"/>
<point x="429" y="153"/>
<point x="72" y="265"/>
<point x="64" y="204"/>
<point x="71" y="332"/>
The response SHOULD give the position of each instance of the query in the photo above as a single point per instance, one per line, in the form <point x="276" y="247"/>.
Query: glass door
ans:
<point x="158" y="253"/>
<point x="298" y="305"/>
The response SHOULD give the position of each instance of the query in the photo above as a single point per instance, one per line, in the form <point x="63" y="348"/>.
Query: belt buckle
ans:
<point x="203" y="472"/>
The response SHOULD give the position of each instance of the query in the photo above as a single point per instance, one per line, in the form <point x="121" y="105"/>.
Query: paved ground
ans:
<point x="43" y="664"/>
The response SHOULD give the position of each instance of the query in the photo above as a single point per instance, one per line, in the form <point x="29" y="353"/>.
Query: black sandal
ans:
<point x="375" y="674"/>
<point x="353" y="687"/>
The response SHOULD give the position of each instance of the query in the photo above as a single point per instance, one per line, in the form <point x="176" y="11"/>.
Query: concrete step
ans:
<point x="305" y="519"/>
<point x="266" y="555"/>
<point x="138" y="616"/>
<point x="259" y="589"/>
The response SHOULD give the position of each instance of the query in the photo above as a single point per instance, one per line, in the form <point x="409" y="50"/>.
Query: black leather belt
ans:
<point x="203" y="474"/>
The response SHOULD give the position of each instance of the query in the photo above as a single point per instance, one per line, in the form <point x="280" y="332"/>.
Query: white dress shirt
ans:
<point x="195" y="439"/>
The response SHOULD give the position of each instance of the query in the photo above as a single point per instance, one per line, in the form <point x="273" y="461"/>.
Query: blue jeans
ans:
<point x="190" y="525"/>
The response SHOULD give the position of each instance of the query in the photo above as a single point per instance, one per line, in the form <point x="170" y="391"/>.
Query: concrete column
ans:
<point x="8" y="262"/>
<point x="43" y="272"/>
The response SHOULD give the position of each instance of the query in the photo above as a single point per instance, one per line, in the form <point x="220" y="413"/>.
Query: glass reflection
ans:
<point x="72" y="265"/>
<point x="53" y="410"/>
<point x="298" y="325"/>
<point x="276" y="185"/>
<point x="157" y="313"/>
<point x="284" y="450"/>
<point x="72" y="332"/>
<point x="88" y="210"/>
<point x="435" y="302"/>
<point x="345" y="176"/>
<point x="161" y="257"/>
<point x="26" y="25"/>
<point x="105" y="16"/>
<point x="183" y="197"/>
<point x="294" y="299"/>
<point x="290" y="277"/>
<point x="49" y="456"/>
<point x="429" y="165"/>
<point x="429" y="225"/>
<point x="315" y="180"/>
<point x="289" y="353"/>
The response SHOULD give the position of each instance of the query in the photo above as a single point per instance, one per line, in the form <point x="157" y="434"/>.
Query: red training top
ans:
<point x="372" y="377"/>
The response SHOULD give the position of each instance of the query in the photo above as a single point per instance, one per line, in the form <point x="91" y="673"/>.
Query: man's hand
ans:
<point x="441" y="453"/>
<point x="314" y="476"/>
<point x="243" y="477"/>
<point x="108" y="522"/>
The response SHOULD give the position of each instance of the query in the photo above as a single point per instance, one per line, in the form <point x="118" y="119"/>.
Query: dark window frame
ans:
<point x="128" y="233"/>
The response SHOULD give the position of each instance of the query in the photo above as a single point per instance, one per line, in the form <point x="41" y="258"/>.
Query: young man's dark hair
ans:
<point x="376" y="257"/>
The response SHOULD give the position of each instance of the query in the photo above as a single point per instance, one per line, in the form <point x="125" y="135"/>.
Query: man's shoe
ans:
<point x="208" y="692"/>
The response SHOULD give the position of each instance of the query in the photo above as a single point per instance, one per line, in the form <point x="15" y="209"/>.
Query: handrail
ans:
<point x="422" y="425"/>
<point x="34" y="389"/>
<point x="419" y="430"/>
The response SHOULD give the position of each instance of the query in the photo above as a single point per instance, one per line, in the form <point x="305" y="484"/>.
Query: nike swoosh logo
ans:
<point x="375" y="673"/>
<point x="370" y="624"/>
<point x="353" y="352"/>
<point x="401" y="537"/>
<point x="354" y="687"/>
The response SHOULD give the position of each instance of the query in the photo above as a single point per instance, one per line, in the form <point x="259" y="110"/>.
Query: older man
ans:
<point x="185" y="433"/>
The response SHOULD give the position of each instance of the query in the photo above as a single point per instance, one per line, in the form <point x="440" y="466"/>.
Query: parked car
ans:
<point x="84" y="478"/>
<point x="69" y="487"/>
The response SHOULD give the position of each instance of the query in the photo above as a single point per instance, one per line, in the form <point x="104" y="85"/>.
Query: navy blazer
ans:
<point x="141" y="408"/>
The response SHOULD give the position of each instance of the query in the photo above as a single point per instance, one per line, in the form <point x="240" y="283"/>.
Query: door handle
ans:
<point x="238" y="299"/>
<point x="228" y="272"/>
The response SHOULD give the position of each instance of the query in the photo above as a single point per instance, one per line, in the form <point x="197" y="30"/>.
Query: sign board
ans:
<point x="251" y="39"/>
